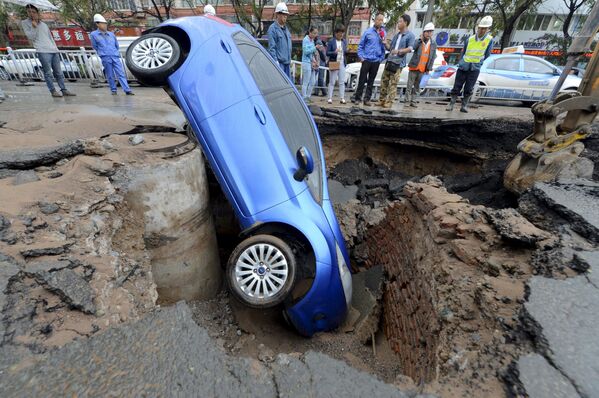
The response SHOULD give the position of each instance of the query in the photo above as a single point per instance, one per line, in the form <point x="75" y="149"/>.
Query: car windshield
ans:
<point x="285" y="105"/>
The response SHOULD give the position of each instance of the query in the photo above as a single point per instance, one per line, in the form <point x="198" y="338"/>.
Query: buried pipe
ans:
<point x="172" y="196"/>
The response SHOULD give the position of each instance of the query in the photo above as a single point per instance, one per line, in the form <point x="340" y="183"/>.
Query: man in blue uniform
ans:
<point x="107" y="47"/>
<point x="279" y="39"/>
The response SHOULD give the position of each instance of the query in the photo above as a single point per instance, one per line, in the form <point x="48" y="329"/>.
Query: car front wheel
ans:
<point x="261" y="271"/>
<point x="153" y="58"/>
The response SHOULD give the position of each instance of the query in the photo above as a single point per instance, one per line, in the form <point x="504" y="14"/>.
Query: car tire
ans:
<point x="353" y="83"/>
<point x="477" y="93"/>
<point x="4" y="75"/>
<point x="153" y="58"/>
<point x="261" y="271"/>
<point x="38" y="74"/>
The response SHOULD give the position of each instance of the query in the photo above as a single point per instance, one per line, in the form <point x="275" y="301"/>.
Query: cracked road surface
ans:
<point x="167" y="354"/>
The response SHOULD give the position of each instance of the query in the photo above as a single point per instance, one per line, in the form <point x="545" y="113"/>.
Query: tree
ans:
<point x="81" y="12"/>
<point x="159" y="9"/>
<point x="392" y="9"/>
<point x="509" y="11"/>
<point x="249" y="13"/>
<point x="562" y="42"/>
<point x="452" y="11"/>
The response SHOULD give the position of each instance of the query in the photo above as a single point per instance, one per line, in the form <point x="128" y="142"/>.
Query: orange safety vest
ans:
<point x="423" y="58"/>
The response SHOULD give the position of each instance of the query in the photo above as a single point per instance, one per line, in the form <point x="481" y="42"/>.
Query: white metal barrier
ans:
<point x="81" y="64"/>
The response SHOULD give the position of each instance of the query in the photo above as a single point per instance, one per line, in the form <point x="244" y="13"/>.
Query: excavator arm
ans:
<point x="553" y="150"/>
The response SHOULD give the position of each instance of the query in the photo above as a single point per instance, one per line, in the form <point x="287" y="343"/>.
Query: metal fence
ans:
<point x="24" y="66"/>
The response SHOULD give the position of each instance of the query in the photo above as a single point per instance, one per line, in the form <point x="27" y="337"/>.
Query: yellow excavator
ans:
<point x="553" y="150"/>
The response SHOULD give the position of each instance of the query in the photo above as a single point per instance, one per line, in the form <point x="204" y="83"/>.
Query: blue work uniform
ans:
<point x="107" y="47"/>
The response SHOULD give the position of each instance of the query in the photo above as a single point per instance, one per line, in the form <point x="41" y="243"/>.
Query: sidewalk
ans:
<point x="33" y="118"/>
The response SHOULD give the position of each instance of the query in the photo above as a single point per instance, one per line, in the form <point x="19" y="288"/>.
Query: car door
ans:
<point x="503" y="72"/>
<point x="539" y="76"/>
<point x="254" y="141"/>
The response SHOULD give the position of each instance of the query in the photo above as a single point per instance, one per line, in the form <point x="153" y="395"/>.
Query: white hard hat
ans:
<point x="429" y="26"/>
<point x="486" y="22"/>
<point x="208" y="9"/>
<point x="281" y="8"/>
<point x="99" y="18"/>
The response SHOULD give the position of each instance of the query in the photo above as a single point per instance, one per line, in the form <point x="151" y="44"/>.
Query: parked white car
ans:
<point x="27" y="64"/>
<point x="520" y="77"/>
<point x="441" y="78"/>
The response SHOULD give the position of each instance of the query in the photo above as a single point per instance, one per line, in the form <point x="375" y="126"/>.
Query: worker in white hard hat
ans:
<point x="209" y="10"/>
<point x="425" y="51"/>
<point x="476" y="49"/>
<point x="107" y="48"/>
<point x="279" y="39"/>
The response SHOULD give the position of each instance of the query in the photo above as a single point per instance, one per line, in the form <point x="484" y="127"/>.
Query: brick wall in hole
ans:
<point x="402" y="244"/>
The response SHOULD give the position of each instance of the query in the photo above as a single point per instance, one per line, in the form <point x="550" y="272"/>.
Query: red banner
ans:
<point x="70" y="37"/>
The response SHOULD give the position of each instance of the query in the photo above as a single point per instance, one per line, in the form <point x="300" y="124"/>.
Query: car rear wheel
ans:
<point x="153" y="58"/>
<point x="478" y="92"/>
<point x="261" y="271"/>
<point x="4" y="75"/>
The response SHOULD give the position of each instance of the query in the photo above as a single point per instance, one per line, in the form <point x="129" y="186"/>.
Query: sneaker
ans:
<point x="330" y="101"/>
<point x="413" y="105"/>
<point x="56" y="94"/>
<point x="387" y="105"/>
<point x="67" y="93"/>
<point x="354" y="100"/>
<point x="367" y="103"/>
<point x="113" y="92"/>
<point x="381" y="104"/>
<point x="342" y="100"/>
<point x="129" y="93"/>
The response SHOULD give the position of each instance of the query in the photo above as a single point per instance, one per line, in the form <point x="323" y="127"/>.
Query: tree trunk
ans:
<point x="428" y="17"/>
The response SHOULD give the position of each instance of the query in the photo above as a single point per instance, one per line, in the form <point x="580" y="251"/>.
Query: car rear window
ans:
<point x="285" y="105"/>
<point x="534" y="66"/>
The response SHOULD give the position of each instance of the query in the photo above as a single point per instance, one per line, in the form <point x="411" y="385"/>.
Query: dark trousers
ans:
<point x="466" y="79"/>
<point x="367" y="71"/>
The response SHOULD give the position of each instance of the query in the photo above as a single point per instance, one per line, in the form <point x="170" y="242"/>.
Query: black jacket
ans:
<point x="418" y="48"/>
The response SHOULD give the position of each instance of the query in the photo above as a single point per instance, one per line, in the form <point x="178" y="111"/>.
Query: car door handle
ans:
<point x="259" y="115"/>
<point x="226" y="46"/>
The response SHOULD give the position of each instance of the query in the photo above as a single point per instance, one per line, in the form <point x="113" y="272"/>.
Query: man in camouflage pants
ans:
<point x="402" y="44"/>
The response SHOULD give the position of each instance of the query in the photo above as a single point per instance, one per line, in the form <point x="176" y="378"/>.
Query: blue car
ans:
<point x="264" y="148"/>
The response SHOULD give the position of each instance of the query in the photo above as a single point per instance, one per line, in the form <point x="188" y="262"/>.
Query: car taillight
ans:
<point x="448" y="73"/>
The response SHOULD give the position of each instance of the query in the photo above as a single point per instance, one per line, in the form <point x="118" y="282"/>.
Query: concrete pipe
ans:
<point x="172" y="194"/>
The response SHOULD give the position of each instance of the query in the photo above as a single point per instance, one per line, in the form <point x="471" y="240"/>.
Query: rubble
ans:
<point x="29" y="158"/>
<point x="70" y="287"/>
<point x="513" y="227"/>
<point x="577" y="201"/>
<point x="449" y="272"/>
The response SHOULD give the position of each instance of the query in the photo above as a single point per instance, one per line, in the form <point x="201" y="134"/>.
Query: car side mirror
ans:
<point x="557" y="72"/>
<point x="305" y="161"/>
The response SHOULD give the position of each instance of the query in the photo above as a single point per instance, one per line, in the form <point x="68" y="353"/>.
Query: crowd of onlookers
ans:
<point x="374" y="47"/>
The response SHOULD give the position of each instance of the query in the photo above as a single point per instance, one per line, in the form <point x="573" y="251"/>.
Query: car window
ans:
<point x="508" y="64"/>
<point x="266" y="74"/>
<point x="534" y="66"/>
<point x="285" y="106"/>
